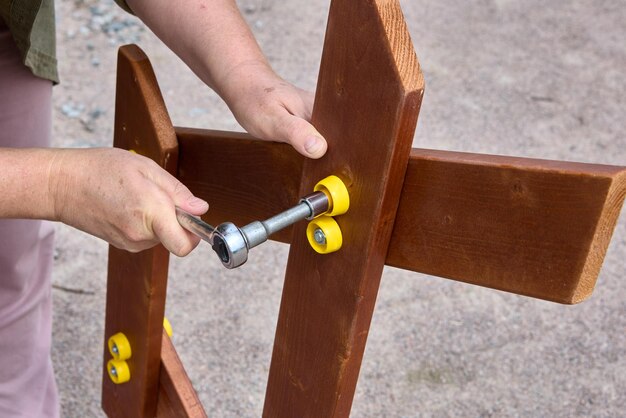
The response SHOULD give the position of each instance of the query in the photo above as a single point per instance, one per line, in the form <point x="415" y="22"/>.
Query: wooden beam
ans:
<point x="177" y="397"/>
<point x="367" y="100"/>
<point x="533" y="227"/>
<point x="243" y="179"/>
<point x="137" y="283"/>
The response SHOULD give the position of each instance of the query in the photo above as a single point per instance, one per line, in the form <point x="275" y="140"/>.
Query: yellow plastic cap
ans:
<point x="324" y="235"/>
<point x="337" y="193"/>
<point x="118" y="371"/>
<point x="119" y="347"/>
<point x="168" y="327"/>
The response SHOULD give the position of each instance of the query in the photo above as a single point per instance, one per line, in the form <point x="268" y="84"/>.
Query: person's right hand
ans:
<point x="123" y="198"/>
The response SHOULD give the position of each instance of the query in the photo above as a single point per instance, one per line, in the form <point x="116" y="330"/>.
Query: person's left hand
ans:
<point x="270" y="108"/>
<point x="213" y="39"/>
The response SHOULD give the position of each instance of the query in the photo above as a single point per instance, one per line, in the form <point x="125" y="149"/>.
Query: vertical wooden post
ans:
<point x="368" y="97"/>
<point x="137" y="283"/>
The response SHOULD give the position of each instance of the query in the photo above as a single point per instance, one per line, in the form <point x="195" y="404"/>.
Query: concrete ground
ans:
<point x="533" y="78"/>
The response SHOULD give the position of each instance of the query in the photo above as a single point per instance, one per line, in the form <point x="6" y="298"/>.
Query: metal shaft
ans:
<point x="195" y="225"/>
<point x="258" y="232"/>
<point x="232" y="243"/>
<point x="309" y="207"/>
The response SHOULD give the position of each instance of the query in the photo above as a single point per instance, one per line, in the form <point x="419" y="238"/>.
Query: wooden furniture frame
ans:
<point x="533" y="227"/>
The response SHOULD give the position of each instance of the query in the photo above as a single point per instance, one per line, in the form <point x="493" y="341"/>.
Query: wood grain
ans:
<point x="137" y="283"/>
<point x="177" y="397"/>
<point x="366" y="107"/>
<point x="533" y="227"/>
<point x="243" y="178"/>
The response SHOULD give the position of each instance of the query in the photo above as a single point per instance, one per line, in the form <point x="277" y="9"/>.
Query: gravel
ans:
<point x="536" y="79"/>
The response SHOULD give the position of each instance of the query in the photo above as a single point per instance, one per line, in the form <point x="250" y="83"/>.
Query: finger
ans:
<point x="301" y="135"/>
<point x="181" y="195"/>
<point x="132" y="246"/>
<point x="136" y="247"/>
<point x="177" y="240"/>
<point x="306" y="109"/>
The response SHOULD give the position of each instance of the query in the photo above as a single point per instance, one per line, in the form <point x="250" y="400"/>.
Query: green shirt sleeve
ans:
<point x="31" y="23"/>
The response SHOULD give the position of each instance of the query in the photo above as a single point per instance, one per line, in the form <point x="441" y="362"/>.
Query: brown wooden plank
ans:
<point x="177" y="397"/>
<point x="511" y="198"/>
<point x="243" y="179"/>
<point x="534" y="227"/>
<point x="368" y="97"/>
<point x="137" y="283"/>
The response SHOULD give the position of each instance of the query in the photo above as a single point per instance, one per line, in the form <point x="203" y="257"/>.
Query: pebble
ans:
<point x="72" y="110"/>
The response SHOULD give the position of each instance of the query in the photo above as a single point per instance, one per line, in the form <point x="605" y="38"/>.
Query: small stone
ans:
<point x="72" y="110"/>
<point x="96" y="113"/>
<point x="96" y="10"/>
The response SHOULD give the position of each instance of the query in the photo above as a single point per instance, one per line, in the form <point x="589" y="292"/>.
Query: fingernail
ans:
<point x="196" y="202"/>
<point x="313" y="145"/>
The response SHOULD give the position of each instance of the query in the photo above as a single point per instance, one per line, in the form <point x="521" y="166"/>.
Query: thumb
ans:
<point x="182" y="196"/>
<point x="301" y="135"/>
<point x="173" y="237"/>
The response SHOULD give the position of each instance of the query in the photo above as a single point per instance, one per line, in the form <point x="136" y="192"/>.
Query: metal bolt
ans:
<point x="113" y="371"/>
<point x="319" y="236"/>
<point x="115" y="349"/>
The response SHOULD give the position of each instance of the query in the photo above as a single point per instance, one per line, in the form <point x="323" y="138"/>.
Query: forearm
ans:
<point x="213" y="39"/>
<point x="25" y="183"/>
<point x="123" y="198"/>
<point x="210" y="36"/>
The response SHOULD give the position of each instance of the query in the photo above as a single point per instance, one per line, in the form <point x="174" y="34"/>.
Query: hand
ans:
<point x="213" y="39"/>
<point x="270" y="108"/>
<point x="123" y="198"/>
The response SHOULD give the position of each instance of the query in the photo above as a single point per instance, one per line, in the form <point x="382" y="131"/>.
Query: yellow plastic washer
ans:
<point x="132" y="151"/>
<point x="168" y="327"/>
<point x="118" y="371"/>
<point x="119" y="347"/>
<point x="331" y="234"/>
<point x="337" y="193"/>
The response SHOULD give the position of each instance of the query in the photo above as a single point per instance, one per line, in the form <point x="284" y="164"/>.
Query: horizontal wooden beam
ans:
<point x="533" y="227"/>
<point x="243" y="179"/>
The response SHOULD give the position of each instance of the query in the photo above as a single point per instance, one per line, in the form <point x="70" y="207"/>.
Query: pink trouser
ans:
<point x="27" y="386"/>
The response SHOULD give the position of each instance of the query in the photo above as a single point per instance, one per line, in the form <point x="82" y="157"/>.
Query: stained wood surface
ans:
<point x="367" y="100"/>
<point x="177" y="397"/>
<point x="137" y="283"/>
<point x="243" y="179"/>
<point x="533" y="227"/>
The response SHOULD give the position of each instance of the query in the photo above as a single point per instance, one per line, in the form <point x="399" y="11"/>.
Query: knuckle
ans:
<point x="181" y="248"/>
<point x="184" y="250"/>
<point x="180" y="189"/>
<point x="290" y="127"/>
<point x="134" y="237"/>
